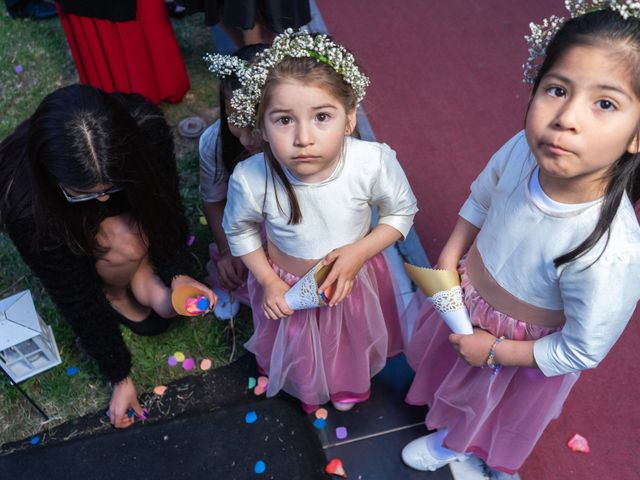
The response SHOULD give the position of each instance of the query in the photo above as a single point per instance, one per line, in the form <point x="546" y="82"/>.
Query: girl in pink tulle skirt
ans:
<point x="313" y="190"/>
<point x="552" y="247"/>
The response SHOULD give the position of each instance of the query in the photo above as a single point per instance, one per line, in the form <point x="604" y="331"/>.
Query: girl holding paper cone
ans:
<point x="313" y="188"/>
<point x="552" y="267"/>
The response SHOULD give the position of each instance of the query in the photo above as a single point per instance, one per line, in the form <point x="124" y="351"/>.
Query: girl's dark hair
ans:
<point x="311" y="72"/>
<point x="602" y="28"/>
<point x="80" y="137"/>
<point x="232" y="149"/>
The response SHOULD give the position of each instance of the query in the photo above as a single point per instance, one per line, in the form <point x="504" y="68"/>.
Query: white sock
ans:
<point x="434" y="444"/>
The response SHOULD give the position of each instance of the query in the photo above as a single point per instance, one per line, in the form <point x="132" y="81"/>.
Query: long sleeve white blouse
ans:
<point x="520" y="237"/>
<point x="335" y="212"/>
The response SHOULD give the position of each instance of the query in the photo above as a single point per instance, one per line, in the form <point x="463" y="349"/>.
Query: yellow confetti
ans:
<point x="203" y="221"/>
<point x="179" y="356"/>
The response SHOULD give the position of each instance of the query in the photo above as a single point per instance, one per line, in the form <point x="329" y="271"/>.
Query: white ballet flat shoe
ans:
<point x="343" y="406"/>
<point x="225" y="308"/>
<point x="418" y="456"/>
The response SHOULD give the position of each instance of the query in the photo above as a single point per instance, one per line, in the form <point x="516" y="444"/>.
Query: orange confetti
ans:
<point x="159" y="390"/>
<point x="322" y="413"/>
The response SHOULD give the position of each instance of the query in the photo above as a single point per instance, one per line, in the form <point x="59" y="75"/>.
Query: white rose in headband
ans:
<point x="292" y="45"/>
<point x="543" y="33"/>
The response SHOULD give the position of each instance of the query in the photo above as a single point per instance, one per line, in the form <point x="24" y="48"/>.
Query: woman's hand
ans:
<point x="232" y="271"/>
<point x="347" y="262"/>
<point x="473" y="349"/>
<point x="182" y="280"/>
<point x="274" y="305"/>
<point x="123" y="398"/>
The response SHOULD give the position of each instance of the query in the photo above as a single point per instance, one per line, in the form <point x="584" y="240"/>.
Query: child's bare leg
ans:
<point x="124" y="252"/>
<point x="149" y="290"/>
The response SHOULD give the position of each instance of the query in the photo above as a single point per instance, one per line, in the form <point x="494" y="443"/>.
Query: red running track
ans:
<point x="446" y="92"/>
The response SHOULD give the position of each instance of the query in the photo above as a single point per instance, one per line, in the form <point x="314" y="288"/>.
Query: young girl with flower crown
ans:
<point x="552" y="267"/>
<point x="313" y="188"/>
<point x="222" y="146"/>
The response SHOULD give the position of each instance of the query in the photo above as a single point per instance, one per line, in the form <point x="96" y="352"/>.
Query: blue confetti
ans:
<point x="251" y="417"/>
<point x="18" y="69"/>
<point x="203" y="304"/>
<point x="319" y="423"/>
<point x="260" y="467"/>
<point x="72" y="371"/>
<point x="35" y="440"/>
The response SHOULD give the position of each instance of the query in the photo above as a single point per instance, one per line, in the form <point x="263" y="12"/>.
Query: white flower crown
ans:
<point x="541" y="34"/>
<point x="291" y="44"/>
<point x="225" y="65"/>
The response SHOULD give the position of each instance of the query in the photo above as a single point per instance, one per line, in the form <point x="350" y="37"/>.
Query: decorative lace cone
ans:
<point x="304" y="293"/>
<point x="443" y="289"/>
<point x="179" y="298"/>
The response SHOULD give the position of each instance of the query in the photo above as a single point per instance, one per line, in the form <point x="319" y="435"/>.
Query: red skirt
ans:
<point x="140" y="56"/>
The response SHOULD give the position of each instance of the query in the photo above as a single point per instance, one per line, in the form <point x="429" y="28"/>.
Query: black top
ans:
<point x="114" y="10"/>
<point x="71" y="280"/>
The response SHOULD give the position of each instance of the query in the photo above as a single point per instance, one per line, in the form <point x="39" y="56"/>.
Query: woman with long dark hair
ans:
<point x="89" y="196"/>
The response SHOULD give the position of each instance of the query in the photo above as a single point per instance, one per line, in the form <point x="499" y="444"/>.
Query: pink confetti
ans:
<point x="190" y="240"/>
<point x="341" y="433"/>
<point x="263" y="382"/>
<point x="578" y="443"/>
<point x="188" y="364"/>
<point x="259" y="390"/>
<point x="172" y="361"/>
<point x="205" y="364"/>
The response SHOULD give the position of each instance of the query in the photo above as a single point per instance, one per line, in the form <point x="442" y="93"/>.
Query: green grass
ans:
<point x="41" y="49"/>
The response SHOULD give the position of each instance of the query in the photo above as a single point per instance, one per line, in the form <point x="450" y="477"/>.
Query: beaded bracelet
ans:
<point x="491" y="359"/>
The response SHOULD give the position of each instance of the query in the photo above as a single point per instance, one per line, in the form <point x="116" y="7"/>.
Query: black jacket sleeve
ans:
<point x="75" y="287"/>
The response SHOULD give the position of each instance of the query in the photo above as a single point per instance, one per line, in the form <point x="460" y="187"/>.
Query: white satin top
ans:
<point x="335" y="212"/>
<point x="521" y="234"/>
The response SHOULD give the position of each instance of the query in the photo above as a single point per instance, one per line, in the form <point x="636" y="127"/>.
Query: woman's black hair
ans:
<point x="602" y="28"/>
<point x="232" y="149"/>
<point x="80" y="137"/>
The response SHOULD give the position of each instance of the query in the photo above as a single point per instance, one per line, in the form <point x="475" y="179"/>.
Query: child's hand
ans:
<point x="473" y="349"/>
<point x="181" y="280"/>
<point x="347" y="262"/>
<point x="274" y="305"/>
<point x="232" y="271"/>
<point x="124" y="396"/>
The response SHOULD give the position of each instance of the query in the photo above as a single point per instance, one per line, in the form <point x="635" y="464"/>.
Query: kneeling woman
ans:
<point x="89" y="196"/>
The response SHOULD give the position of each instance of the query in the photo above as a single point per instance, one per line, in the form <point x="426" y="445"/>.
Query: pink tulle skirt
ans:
<point x="329" y="353"/>
<point x="496" y="417"/>
<point x="213" y="277"/>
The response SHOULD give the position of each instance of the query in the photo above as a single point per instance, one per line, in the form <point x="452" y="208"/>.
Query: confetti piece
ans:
<point x="19" y="69"/>
<point x="334" y="467"/>
<point x="578" y="443"/>
<point x="159" y="390"/>
<point x="130" y="413"/>
<point x="251" y="383"/>
<point x="205" y="364"/>
<point x="322" y="413"/>
<point x="189" y="363"/>
<point x="203" y="221"/>
<point x="259" y="390"/>
<point x="179" y="356"/>
<point x="263" y="382"/>
<point x="35" y="440"/>
<point x="341" y="433"/>
<point x="251" y="417"/>
<point x="190" y="240"/>
<point x="172" y="361"/>
<point x="196" y="305"/>
<point x="260" y="467"/>
<point x="319" y="423"/>
<point x="72" y="371"/>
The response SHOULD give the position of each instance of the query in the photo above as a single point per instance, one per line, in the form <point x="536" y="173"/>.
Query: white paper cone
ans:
<point x="450" y="306"/>
<point x="458" y="321"/>
<point x="304" y="293"/>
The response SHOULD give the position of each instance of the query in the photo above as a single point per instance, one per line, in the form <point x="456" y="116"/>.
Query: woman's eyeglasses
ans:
<point x="85" y="197"/>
